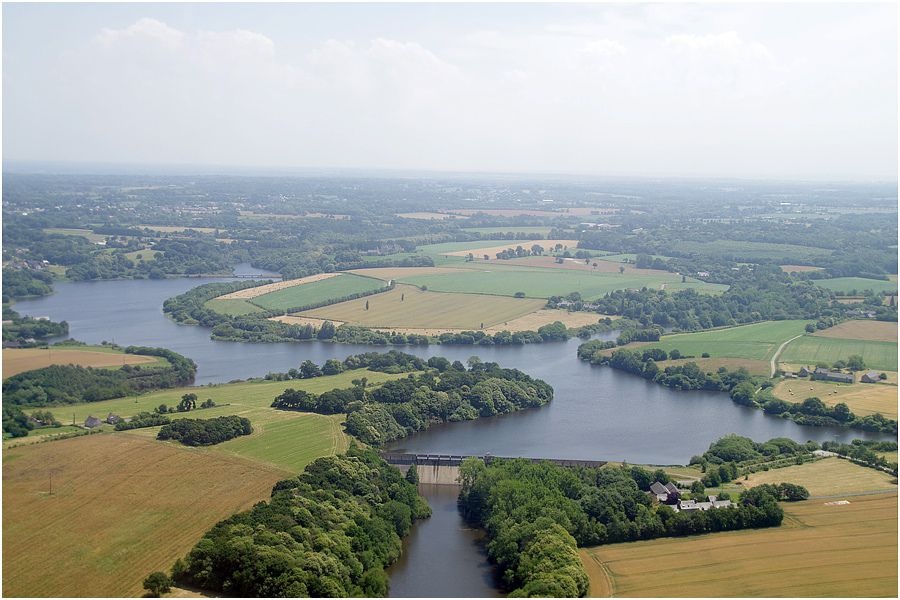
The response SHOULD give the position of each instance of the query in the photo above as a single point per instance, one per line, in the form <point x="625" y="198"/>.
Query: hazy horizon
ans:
<point x="801" y="92"/>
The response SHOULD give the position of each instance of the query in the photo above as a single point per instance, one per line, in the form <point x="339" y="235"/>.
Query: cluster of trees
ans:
<point x="205" y="432"/>
<point x="741" y="386"/>
<point x="24" y="328"/>
<point x="763" y="295"/>
<point x="732" y="456"/>
<point x="537" y="515"/>
<point x="330" y="532"/>
<point x="17" y="424"/>
<point x="444" y="392"/>
<point x="520" y="252"/>
<point x="69" y="384"/>
<point x="25" y="283"/>
<point x="143" y="419"/>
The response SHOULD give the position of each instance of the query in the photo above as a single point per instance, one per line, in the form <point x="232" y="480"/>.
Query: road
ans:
<point x="773" y="364"/>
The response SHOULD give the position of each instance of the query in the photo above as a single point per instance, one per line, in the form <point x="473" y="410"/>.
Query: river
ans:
<point x="597" y="413"/>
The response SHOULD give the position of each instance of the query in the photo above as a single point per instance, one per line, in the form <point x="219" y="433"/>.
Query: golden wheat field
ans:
<point x="822" y="549"/>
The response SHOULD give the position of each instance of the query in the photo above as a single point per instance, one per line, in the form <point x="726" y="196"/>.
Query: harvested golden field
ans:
<point x="406" y="306"/>
<point x="492" y="248"/>
<point x="851" y="299"/>
<point x="603" y="266"/>
<point x="545" y="316"/>
<point x="389" y="273"/>
<point x="827" y="477"/>
<point x="844" y="550"/>
<point x="862" y="398"/>
<point x="799" y="268"/>
<point x="295" y="320"/>
<point x="122" y="507"/>
<point x="19" y="360"/>
<point x="274" y="287"/>
<point x="876" y="331"/>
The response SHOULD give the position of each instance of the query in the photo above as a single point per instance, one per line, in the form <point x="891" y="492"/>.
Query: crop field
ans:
<point x="757" y="342"/>
<point x="847" y="550"/>
<point x="811" y="349"/>
<point x="319" y="291"/>
<point x="708" y="365"/>
<point x="580" y="211"/>
<point x="389" y="273"/>
<point x="544" y="231"/>
<point x="409" y="307"/>
<point x="753" y="251"/>
<point x="466" y="247"/>
<point x="849" y="284"/>
<point x="540" y="283"/>
<point x="876" y="331"/>
<point x="122" y="507"/>
<point x="142" y="255"/>
<point x="799" y="268"/>
<point x="862" y="398"/>
<point x="19" y="360"/>
<point x="827" y="477"/>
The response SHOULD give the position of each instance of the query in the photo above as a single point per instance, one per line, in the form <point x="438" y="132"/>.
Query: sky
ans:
<point x="796" y="91"/>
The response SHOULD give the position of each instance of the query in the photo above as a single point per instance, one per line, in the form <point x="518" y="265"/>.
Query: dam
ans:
<point x="443" y="469"/>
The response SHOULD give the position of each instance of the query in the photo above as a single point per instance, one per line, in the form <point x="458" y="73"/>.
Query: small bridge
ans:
<point x="443" y="469"/>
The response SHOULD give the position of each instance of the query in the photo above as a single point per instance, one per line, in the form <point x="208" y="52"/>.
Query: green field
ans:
<point x="145" y="255"/>
<point x="753" y="251"/>
<point x="408" y="307"/>
<point x="232" y="306"/>
<point x="811" y="349"/>
<point x="85" y="233"/>
<point x="757" y="342"/>
<point x="457" y="246"/>
<point x="543" y="283"/>
<point x="850" y="284"/>
<point x="544" y="231"/>
<point x="344" y="284"/>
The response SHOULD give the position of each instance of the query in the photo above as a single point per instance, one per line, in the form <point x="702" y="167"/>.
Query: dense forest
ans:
<point x="68" y="384"/>
<point x="443" y="392"/>
<point x="329" y="532"/>
<point x="537" y="515"/>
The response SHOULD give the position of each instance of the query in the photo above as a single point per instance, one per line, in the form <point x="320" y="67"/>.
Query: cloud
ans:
<point x="728" y="44"/>
<point x="145" y="29"/>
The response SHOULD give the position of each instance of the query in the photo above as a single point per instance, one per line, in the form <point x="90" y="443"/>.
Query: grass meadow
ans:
<point x="827" y="477"/>
<point x="810" y="349"/>
<point x="850" y="284"/>
<point x="820" y="550"/>
<point x="540" y="283"/>
<point x="754" y="251"/>
<point x="758" y="341"/>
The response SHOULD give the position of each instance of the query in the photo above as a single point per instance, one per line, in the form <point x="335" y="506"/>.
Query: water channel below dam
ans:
<point x="597" y="413"/>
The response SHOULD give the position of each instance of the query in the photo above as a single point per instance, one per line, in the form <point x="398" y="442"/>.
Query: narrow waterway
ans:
<point x="597" y="413"/>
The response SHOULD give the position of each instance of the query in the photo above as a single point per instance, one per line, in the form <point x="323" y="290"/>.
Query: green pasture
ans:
<point x="85" y="233"/>
<point x="756" y="342"/>
<point x="543" y="283"/>
<point x="344" y="284"/>
<point x="810" y="349"/>
<point x="859" y="284"/>
<point x="754" y="251"/>
<point x="147" y="255"/>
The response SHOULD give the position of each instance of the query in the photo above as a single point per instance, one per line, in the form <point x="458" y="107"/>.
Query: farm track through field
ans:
<point x="773" y="364"/>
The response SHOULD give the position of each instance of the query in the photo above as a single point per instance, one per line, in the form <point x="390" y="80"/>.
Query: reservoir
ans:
<point x="597" y="413"/>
